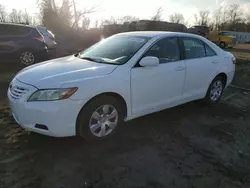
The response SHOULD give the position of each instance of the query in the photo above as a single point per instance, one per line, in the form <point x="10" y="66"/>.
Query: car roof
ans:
<point x="21" y="25"/>
<point x="153" y="34"/>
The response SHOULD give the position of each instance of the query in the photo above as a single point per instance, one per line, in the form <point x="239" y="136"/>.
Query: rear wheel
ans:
<point x="215" y="90"/>
<point x="27" y="58"/>
<point x="100" y="118"/>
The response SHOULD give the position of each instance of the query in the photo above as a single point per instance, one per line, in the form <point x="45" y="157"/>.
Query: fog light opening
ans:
<point x="39" y="126"/>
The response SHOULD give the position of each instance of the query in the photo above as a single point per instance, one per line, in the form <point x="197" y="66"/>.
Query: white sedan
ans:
<point x="120" y="78"/>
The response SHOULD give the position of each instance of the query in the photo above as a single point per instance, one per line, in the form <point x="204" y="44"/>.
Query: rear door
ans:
<point x="202" y="63"/>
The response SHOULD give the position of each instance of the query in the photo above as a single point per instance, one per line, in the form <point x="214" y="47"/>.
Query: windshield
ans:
<point x="114" y="50"/>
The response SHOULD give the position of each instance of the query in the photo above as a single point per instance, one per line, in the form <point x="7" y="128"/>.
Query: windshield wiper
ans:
<point x="89" y="58"/>
<point x="95" y="59"/>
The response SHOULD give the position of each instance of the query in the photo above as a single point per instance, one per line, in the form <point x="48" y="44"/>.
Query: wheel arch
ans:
<point x="121" y="100"/>
<point x="221" y="74"/>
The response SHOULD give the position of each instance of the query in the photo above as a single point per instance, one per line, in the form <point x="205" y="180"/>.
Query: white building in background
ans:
<point x="241" y="37"/>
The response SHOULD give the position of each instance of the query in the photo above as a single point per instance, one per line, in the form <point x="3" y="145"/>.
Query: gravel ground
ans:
<point x="187" y="146"/>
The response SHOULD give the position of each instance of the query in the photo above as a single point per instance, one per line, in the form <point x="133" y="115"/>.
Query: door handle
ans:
<point x="180" y="68"/>
<point x="215" y="62"/>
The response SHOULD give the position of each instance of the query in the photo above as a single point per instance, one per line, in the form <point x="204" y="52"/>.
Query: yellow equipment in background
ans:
<point x="222" y="39"/>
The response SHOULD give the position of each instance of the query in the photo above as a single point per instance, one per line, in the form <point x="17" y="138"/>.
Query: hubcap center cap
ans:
<point x="103" y="120"/>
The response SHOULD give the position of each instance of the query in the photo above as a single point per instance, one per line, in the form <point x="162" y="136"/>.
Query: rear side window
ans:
<point x="35" y="33"/>
<point x="166" y="50"/>
<point x="209" y="51"/>
<point x="14" y="30"/>
<point x="43" y="31"/>
<point x="193" y="48"/>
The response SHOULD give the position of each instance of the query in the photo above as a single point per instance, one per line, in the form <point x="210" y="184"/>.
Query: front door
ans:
<point x="159" y="87"/>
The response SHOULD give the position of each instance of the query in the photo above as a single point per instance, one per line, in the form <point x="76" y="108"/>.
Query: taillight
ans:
<point x="39" y="38"/>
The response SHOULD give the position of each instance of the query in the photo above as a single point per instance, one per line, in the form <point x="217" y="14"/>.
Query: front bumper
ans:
<point x="58" y="116"/>
<point x="230" y="77"/>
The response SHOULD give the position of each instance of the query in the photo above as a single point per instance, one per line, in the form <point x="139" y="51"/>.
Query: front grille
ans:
<point x="17" y="92"/>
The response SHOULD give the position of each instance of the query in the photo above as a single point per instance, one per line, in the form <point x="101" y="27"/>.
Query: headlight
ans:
<point x="52" y="94"/>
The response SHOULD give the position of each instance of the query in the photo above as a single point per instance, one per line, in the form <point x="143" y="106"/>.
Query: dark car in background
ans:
<point x="21" y="43"/>
<point x="199" y="30"/>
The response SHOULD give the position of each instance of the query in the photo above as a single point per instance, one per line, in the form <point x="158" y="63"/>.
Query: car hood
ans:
<point x="56" y="72"/>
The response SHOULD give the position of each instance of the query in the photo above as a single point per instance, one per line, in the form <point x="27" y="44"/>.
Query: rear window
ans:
<point x="14" y="30"/>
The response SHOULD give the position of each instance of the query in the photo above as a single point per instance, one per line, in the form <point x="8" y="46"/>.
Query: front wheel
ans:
<point x="222" y="44"/>
<point x="215" y="90"/>
<point x="100" y="118"/>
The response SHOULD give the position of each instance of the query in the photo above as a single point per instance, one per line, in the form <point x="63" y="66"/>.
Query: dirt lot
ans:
<point x="187" y="146"/>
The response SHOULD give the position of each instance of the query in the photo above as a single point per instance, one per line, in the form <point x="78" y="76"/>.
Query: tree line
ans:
<point x="16" y="16"/>
<point x="230" y="17"/>
<point x="69" y="14"/>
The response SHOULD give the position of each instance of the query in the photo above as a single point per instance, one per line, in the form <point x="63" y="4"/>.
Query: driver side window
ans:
<point x="167" y="50"/>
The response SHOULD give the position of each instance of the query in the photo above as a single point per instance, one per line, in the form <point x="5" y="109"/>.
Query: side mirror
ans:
<point x="149" y="61"/>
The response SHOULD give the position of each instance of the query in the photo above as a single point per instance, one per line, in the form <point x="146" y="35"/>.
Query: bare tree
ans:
<point x="16" y="16"/>
<point x="85" y="23"/>
<point x="96" y="24"/>
<point x="80" y="14"/>
<point x="65" y="12"/>
<point x="112" y="20"/>
<point x="234" y="14"/>
<point x="46" y="12"/>
<point x="35" y="21"/>
<point x="158" y="14"/>
<point x="202" y="18"/>
<point x="128" y="18"/>
<point x="27" y="18"/>
<point x="217" y="17"/>
<point x="177" y="18"/>
<point x="47" y="3"/>
<point x="3" y="14"/>
<point x="120" y="20"/>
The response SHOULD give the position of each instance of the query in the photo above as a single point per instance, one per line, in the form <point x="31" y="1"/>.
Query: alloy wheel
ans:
<point x="103" y="120"/>
<point x="27" y="58"/>
<point x="216" y="90"/>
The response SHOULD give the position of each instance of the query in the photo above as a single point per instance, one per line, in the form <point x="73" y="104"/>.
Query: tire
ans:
<point x="215" y="91"/>
<point x="222" y="44"/>
<point x="27" y="58"/>
<point x="102" y="125"/>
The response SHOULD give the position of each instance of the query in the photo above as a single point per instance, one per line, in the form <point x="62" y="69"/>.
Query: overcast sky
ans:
<point x="140" y="8"/>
